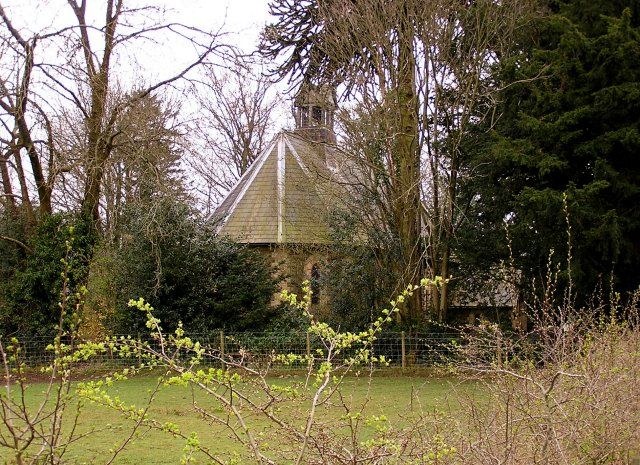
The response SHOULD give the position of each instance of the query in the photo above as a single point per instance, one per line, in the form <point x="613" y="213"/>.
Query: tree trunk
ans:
<point x="24" y="189"/>
<point x="44" y="189"/>
<point x="443" y="306"/>
<point x="98" y="148"/>
<point x="9" y="199"/>
<point x="23" y="133"/>
<point x="448" y="233"/>
<point x="91" y="199"/>
<point x="98" y="143"/>
<point x="407" y="156"/>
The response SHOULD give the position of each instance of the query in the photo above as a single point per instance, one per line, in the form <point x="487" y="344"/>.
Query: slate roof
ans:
<point x="284" y="197"/>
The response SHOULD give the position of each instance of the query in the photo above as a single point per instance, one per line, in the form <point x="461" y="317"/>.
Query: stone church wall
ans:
<point x="296" y="264"/>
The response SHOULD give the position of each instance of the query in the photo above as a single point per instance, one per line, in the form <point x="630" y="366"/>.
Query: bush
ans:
<point x="30" y="293"/>
<point x="566" y="392"/>
<point x="187" y="273"/>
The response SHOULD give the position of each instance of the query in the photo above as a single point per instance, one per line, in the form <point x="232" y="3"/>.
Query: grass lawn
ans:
<point x="391" y="395"/>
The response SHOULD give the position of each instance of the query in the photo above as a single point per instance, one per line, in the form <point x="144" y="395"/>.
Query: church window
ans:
<point x="315" y="284"/>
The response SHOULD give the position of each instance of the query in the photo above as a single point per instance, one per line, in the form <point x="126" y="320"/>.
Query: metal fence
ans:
<point x="400" y="349"/>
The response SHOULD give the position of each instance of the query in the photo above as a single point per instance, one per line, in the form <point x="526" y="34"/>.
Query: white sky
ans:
<point x="240" y="20"/>
<point x="244" y="17"/>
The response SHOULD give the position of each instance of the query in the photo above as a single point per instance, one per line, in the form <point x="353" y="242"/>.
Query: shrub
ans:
<point x="29" y="304"/>
<point x="565" y="392"/>
<point x="187" y="273"/>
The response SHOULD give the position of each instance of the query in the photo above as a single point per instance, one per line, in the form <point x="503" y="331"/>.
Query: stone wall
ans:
<point x="295" y="263"/>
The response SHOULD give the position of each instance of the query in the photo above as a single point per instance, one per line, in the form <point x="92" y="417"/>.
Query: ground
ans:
<point x="390" y="395"/>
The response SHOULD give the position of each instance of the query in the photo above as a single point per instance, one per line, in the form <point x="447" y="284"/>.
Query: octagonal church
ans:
<point x="283" y="202"/>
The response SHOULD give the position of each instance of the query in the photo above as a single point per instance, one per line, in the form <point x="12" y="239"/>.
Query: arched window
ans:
<point x="315" y="284"/>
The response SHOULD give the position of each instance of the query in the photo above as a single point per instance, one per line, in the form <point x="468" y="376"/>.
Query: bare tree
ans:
<point x="462" y="45"/>
<point x="238" y="109"/>
<point x="83" y="84"/>
<point x="418" y="72"/>
<point x="15" y="92"/>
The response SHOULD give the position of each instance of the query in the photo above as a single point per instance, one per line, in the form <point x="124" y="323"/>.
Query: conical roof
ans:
<point x="284" y="197"/>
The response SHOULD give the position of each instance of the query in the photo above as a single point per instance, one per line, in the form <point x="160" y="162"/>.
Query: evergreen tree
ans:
<point x="31" y="285"/>
<point x="569" y="126"/>
<point x="176" y="262"/>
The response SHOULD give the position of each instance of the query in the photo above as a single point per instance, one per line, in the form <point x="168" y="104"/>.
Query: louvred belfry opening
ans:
<point x="314" y="108"/>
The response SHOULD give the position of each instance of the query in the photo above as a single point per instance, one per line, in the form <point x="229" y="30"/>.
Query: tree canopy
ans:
<point x="569" y="126"/>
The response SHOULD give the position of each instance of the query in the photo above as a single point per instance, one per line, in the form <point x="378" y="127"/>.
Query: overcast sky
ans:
<point x="241" y="20"/>
<point x="243" y="17"/>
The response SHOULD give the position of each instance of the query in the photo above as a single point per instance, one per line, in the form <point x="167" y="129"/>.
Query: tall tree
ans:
<point x="569" y="127"/>
<point x="83" y="83"/>
<point x="15" y="101"/>
<point x="417" y="71"/>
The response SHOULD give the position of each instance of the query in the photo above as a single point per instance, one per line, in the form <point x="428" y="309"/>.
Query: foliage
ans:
<point x="564" y="392"/>
<point x="356" y="278"/>
<point x="43" y="433"/>
<point x="239" y="390"/>
<point x="13" y="254"/>
<point x="30" y="293"/>
<point x="569" y="125"/>
<point x="188" y="273"/>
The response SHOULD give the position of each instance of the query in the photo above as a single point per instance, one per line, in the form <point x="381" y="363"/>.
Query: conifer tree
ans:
<point x="569" y="126"/>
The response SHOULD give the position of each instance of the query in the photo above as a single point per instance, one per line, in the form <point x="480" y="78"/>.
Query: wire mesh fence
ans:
<point x="400" y="349"/>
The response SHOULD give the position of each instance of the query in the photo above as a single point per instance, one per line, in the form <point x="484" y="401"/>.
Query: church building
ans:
<point x="283" y="202"/>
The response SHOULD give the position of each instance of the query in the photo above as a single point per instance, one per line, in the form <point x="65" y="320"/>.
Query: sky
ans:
<point x="243" y="17"/>
<point x="240" y="20"/>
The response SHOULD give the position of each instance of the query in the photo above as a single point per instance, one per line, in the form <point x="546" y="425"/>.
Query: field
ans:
<point x="389" y="395"/>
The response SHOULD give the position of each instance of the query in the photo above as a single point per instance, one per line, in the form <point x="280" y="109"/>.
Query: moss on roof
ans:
<point x="285" y="197"/>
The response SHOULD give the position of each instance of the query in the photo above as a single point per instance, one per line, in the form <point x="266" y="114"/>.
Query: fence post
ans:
<point x="221" y="343"/>
<point x="404" y="352"/>
<point x="308" y="345"/>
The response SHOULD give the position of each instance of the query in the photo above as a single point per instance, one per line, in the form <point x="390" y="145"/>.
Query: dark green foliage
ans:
<point x="31" y="286"/>
<point x="357" y="279"/>
<point x="570" y="125"/>
<point x="188" y="274"/>
<point x="348" y="283"/>
<point x="12" y="226"/>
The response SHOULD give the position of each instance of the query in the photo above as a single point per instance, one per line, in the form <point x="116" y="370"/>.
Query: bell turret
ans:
<point x="314" y="107"/>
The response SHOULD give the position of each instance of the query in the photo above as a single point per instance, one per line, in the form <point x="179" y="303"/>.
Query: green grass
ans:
<point x="392" y="396"/>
